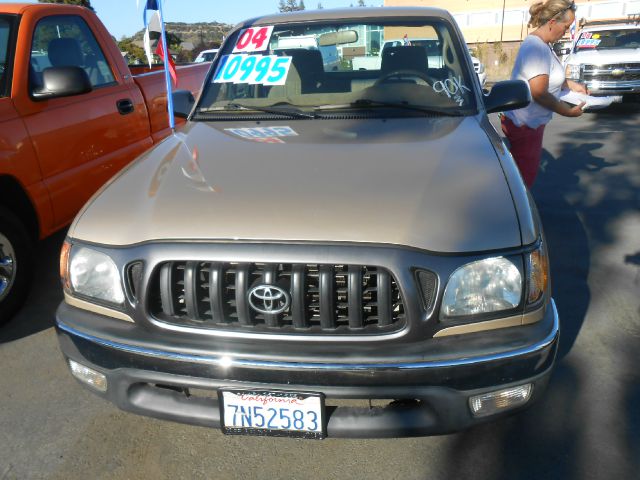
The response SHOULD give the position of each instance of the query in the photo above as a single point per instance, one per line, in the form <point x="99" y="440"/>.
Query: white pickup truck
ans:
<point x="606" y="57"/>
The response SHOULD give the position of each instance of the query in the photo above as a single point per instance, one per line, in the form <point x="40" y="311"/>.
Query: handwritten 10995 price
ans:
<point x="253" y="69"/>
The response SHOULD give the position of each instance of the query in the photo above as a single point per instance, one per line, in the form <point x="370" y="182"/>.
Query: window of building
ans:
<point x="482" y="19"/>
<point x="513" y="17"/>
<point x="607" y="10"/>
<point x="633" y="8"/>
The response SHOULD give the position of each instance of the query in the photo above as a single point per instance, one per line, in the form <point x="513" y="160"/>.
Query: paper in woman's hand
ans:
<point x="593" y="103"/>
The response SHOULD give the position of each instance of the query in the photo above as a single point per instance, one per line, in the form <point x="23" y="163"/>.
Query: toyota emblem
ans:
<point x="269" y="299"/>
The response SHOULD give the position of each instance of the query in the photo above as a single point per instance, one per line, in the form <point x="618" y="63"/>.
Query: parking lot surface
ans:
<point x="586" y="427"/>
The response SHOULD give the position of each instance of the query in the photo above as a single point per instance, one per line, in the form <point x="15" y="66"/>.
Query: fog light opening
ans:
<point x="500" y="400"/>
<point x="88" y="376"/>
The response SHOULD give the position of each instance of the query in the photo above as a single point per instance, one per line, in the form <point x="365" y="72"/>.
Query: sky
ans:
<point x="123" y="18"/>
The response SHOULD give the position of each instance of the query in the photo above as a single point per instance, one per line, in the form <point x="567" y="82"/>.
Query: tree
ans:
<point x="361" y="3"/>
<point x="320" y="7"/>
<point x="291" y="6"/>
<point x="173" y="40"/>
<point x="135" y="54"/>
<point x="82" y="3"/>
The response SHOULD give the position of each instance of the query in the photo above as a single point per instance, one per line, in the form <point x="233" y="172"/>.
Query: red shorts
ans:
<point x="526" y="147"/>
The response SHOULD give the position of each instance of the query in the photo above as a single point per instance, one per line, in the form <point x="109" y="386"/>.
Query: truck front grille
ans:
<point x="623" y="72"/>
<point x="314" y="299"/>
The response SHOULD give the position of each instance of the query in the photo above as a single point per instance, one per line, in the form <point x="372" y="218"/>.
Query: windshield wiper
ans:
<point x="288" y="110"/>
<point x="367" y="102"/>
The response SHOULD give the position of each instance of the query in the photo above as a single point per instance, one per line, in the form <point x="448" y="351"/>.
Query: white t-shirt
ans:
<point x="536" y="58"/>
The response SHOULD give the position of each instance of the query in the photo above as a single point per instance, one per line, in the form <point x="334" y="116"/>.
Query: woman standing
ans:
<point x="537" y="65"/>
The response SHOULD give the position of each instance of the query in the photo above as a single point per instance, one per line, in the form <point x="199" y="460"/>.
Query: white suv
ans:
<point x="480" y="69"/>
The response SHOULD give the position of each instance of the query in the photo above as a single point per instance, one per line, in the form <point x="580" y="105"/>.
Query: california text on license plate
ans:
<point x="280" y="413"/>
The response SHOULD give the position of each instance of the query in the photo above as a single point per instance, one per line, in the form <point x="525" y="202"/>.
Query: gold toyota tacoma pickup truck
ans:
<point x="320" y="251"/>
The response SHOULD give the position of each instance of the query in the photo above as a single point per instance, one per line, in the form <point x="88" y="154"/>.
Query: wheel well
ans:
<point x="13" y="197"/>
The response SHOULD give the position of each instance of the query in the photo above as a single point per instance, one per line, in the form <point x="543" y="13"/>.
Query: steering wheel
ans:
<point x="405" y="73"/>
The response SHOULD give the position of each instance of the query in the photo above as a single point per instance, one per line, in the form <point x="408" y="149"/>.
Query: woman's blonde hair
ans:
<point x="543" y="11"/>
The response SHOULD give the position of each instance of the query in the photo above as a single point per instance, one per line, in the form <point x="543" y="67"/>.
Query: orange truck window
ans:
<point x="63" y="41"/>
<point x="6" y="27"/>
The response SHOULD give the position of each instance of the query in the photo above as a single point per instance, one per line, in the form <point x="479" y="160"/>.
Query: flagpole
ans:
<point x="167" y="76"/>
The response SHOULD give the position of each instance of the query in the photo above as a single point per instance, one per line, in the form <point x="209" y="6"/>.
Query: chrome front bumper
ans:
<point x="600" y="88"/>
<point x="160" y="382"/>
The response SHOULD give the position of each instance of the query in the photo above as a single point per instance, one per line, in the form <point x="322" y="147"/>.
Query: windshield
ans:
<point x="607" y="39"/>
<point x="399" y="68"/>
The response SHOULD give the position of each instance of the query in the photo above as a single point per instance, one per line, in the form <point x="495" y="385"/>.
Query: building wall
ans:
<point x="482" y="20"/>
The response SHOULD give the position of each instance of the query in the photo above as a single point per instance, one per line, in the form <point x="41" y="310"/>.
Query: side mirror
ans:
<point x="183" y="102"/>
<point x="507" y="95"/>
<point x="63" y="82"/>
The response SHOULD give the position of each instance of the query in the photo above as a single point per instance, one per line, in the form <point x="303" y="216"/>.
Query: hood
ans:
<point x="605" y="57"/>
<point x="429" y="183"/>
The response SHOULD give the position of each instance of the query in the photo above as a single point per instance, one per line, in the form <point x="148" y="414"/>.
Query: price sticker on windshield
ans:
<point x="253" y="69"/>
<point x="254" y="39"/>
<point x="588" y="42"/>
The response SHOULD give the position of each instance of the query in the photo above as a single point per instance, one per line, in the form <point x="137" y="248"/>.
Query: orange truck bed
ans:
<point x="57" y="149"/>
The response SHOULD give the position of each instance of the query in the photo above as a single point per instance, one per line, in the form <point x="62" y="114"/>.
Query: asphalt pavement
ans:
<point x="586" y="427"/>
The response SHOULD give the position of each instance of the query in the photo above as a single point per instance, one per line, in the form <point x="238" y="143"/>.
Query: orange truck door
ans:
<point x="83" y="140"/>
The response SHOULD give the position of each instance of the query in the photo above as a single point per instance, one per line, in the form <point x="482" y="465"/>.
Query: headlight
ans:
<point x="484" y="286"/>
<point x="573" y="72"/>
<point x="92" y="274"/>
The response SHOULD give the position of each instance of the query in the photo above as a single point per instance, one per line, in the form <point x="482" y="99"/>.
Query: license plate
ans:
<point x="277" y="413"/>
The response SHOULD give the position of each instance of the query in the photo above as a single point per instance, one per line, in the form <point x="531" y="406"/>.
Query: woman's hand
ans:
<point x="575" y="111"/>
<point x="539" y="87"/>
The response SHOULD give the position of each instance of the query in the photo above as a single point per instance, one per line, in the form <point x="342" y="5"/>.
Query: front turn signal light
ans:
<point x="64" y="266"/>
<point x="538" y="272"/>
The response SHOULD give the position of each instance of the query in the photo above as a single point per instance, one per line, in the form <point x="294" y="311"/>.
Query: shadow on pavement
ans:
<point x="541" y="443"/>
<point x="634" y="259"/>
<point x="633" y="409"/>
<point x="616" y="109"/>
<point x="581" y="194"/>
<point x="569" y="249"/>
<point x="38" y="312"/>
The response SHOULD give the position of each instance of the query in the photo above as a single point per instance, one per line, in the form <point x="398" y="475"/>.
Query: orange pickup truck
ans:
<point x="71" y="115"/>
